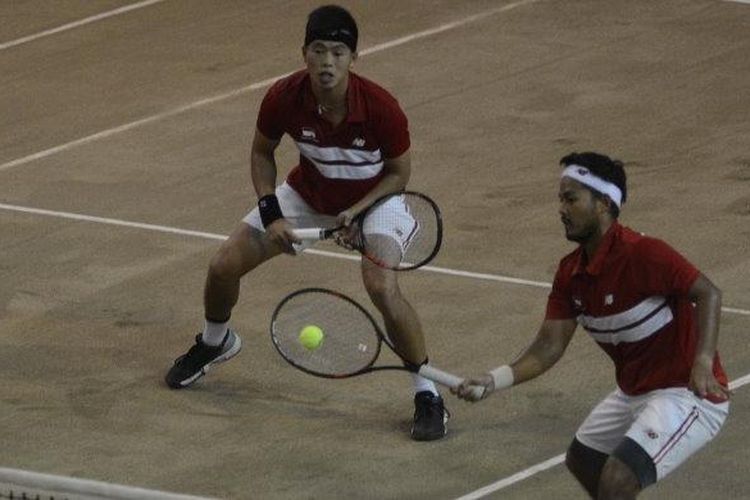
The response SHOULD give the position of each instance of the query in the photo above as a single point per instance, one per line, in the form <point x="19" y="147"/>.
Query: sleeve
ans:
<point x="271" y="113"/>
<point x="393" y="130"/>
<point x="559" y="303"/>
<point x="664" y="271"/>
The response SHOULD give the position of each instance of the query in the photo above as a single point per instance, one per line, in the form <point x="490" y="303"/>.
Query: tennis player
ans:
<point x="353" y="140"/>
<point x="653" y="313"/>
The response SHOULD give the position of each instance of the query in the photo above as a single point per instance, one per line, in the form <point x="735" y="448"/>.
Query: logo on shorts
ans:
<point x="358" y="142"/>
<point x="652" y="434"/>
<point x="309" y="134"/>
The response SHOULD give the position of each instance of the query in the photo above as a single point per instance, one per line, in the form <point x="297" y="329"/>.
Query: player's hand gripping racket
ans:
<point x="399" y="231"/>
<point x="348" y="340"/>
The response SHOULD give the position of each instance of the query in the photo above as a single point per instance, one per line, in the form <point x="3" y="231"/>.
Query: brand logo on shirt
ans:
<point x="577" y="302"/>
<point x="358" y="142"/>
<point x="309" y="134"/>
<point x="609" y="299"/>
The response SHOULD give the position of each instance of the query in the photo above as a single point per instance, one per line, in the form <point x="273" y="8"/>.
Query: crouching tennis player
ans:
<point x="653" y="313"/>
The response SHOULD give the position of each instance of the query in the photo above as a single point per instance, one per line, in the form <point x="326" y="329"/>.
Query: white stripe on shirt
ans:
<point x="637" y="323"/>
<point x="339" y="163"/>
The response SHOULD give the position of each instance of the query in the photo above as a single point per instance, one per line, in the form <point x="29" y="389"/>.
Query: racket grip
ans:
<point x="448" y="380"/>
<point x="311" y="233"/>
<point x="439" y="376"/>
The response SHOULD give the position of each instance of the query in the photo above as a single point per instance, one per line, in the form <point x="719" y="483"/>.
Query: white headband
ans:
<point x="584" y="176"/>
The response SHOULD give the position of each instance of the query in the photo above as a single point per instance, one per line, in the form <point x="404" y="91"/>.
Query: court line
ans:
<point x="739" y="1"/>
<point x="311" y="251"/>
<point x="252" y="87"/>
<point x="550" y="463"/>
<point x="76" y="24"/>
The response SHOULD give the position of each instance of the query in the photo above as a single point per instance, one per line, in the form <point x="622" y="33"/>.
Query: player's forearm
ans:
<point x="708" y="312"/>
<point x="263" y="173"/>
<point x="539" y="357"/>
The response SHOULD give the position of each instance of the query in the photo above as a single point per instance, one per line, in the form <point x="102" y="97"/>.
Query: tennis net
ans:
<point x="26" y="485"/>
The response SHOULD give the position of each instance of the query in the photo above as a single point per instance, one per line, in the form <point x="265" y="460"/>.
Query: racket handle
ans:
<point x="448" y="380"/>
<point x="311" y="233"/>
<point x="439" y="376"/>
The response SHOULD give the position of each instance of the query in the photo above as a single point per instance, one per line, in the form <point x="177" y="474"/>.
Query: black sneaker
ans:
<point x="195" y="363"/>
<point x="430" y="417"/>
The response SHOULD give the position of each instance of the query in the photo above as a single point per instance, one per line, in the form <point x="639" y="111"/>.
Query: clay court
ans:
<point x="124" y="160"/>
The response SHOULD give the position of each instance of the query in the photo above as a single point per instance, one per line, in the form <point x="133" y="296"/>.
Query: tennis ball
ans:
<point x="311" y="336"/>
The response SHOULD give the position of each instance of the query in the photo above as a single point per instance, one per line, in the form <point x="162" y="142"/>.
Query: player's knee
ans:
<point x="224" y="265"/>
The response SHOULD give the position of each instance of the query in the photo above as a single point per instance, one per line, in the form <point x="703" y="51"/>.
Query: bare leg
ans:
<point x="245" y="250"/>
<point x="401" y="321"/>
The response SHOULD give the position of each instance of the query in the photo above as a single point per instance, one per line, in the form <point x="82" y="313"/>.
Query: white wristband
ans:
<point x="502" y="376"/>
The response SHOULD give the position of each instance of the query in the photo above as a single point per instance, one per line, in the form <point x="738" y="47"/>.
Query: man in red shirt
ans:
<point x="653" y="313"/>
<point x="353" y="140"/>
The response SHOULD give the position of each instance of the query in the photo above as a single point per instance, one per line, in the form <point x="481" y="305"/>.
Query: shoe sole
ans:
<point x="224" y="357"/>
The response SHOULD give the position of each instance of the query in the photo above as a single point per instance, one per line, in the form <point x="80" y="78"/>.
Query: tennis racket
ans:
<point x="399" y="231"/>
<point x="351" y="342"/>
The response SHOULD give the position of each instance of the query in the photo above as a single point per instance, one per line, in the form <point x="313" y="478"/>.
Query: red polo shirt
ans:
<point x="337" y="165"/>
<point x="632" y="299"/>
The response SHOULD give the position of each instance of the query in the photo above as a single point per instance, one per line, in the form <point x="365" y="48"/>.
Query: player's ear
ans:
<point x="603" y="204"/>
<point x="354" y="58"/>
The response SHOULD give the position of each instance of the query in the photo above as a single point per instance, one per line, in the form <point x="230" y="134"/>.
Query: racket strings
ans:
<point x="349" y="342"/>
<point x="401" y="232"/>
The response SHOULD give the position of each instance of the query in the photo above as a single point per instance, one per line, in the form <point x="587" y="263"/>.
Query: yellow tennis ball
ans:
<point x="311" y="336"/>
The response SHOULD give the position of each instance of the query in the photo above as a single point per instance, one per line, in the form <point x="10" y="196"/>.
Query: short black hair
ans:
<point x="604" y="167"/>
<point x="333" y="23"/>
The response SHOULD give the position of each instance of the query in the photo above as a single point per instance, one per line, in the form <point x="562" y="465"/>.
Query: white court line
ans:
<point x="76" y="24"/>
<point x="737" y="383"/>
<point x="515" y="478"/>
<point x="739" y="1"/>
<point x="323" y="253"/>
<point x="736" y="311"/>
<point x="137" y="123"/>
<point x="552" y="462"/>
<point x="250" y="88"/>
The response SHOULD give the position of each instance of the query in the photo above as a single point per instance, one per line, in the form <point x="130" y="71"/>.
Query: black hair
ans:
<point x="604" y="167"/>
<point x="333" y="23"/>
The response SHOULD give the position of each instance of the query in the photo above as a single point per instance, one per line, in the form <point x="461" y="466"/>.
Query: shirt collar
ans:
<point x="594" y="266"/>
<point x="355" y="104"/>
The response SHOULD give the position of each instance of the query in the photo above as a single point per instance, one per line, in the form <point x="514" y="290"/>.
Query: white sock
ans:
<point x="214" y="333"/>
<point x="423" y="384"/>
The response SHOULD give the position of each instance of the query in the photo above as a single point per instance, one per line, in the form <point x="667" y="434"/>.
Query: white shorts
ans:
<point x="669" y="424"/>
<point x="395" y="221"/>
<point x="296" y="211"/>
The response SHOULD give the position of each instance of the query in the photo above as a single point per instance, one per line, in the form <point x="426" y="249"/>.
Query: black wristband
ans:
<point x="269" y="209"/>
